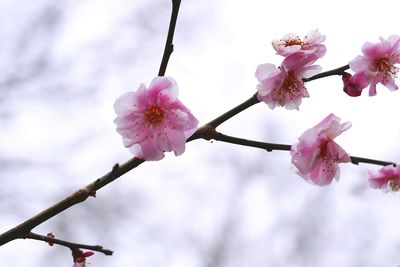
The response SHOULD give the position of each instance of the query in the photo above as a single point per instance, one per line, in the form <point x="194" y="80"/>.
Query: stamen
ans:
<point x="383" y="65"/>
<point x="394" y="185"/>
<point x="154" y="115"/>
<point x="291" y="84"/>
<point x="293" y="41"/>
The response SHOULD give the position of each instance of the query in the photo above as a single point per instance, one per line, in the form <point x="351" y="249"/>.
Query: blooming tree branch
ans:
<point x="208" y="133"/>
<point x="153" y="121"/>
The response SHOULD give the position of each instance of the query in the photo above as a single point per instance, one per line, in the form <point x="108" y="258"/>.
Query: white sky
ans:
<point x="218" y="45"/>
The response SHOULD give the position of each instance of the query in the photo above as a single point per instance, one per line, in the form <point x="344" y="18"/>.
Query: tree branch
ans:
<point x="90" y="190"/>
<point x="207" y="132"/>
<point x="77" y="197"/>
<point x="212" y="134"/>
<point x="169" y="47"/>
<point x="70" y="245"/>
<point x="338" y="71"/>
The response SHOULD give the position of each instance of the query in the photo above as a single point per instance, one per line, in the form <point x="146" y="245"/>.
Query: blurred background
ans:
<point x="62" y="65"/>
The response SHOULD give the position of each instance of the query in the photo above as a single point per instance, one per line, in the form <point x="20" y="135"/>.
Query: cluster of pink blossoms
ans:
<point x="284" y="86"/>
<point x="316" y="155"/>
<point x="376" y="65"/>
<point x="153" y="121"/>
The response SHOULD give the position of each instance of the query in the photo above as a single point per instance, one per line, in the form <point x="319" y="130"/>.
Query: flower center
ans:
<point x="291" y="84"/>
<point x="383" y="65"/>
<point x="293" y="41"/>
<point x="154" y="115"/>
<point x="324" y="150"/>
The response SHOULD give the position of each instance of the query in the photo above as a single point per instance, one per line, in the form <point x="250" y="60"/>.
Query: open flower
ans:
<point x="387" y="177"/>
<point x="283" y="86"/>
<point x="152" y="121"/>
<point x="316" y="155"/>
<point x="291" y="43"/>
<point x="378" y="63"/>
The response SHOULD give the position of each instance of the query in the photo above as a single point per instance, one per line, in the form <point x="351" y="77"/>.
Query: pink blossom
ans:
<point x="152" y="121"/>
<point x="316" y="155"/>
<point x="291" y="43"/>
<point x="387" y="177"/>
<point x="377" y="63"/>
<point x="283" y="86"/>
<point x="353" y="85"/>
<point x="80" y="257"/>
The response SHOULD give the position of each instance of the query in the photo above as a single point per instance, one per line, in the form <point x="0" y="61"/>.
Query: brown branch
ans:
<point x="64" y="243"/>
<point x="169" y="46"/>
<point x="338" y="71"/>
<point x="252" y="101"/>
<point x="77" y="197"/>
<point x="205" y="132"/>
<point x="212" y="134"/>
<point x="90" y="190"/>
<point x="207" y="128"/>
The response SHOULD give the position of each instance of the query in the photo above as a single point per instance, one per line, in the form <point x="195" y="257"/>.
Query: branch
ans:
<point x="203" y="131"/>
<point x="82" y="194"/>
<point x="207" y="132"/>
<point x="77" y="197"/>
<point x="169" y="46"/>
<point x="212" y="134"/>
<point x="70" y="245"/>
<point x="338" y="71"/>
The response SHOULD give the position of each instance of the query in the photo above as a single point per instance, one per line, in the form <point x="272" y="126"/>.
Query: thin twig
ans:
<point x="338" y="71"/>
<point x="214" y="135"/>
<point x="77" y="197"/>
<point x="169" y="46"/>
<point x="64" y="243"/>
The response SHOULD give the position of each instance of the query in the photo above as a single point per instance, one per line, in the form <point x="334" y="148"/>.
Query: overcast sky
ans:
<point x="63" y="64"/>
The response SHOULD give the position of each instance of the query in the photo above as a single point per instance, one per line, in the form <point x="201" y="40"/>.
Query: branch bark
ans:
<point x="67" y="244"/>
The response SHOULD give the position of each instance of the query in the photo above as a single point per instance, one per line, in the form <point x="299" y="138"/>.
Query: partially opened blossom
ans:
<point x="378" y="63"/>
<point x="283" y="86"/>
<point x="387" y="177"/>
<point x="291" y="43"/>
<point x="354" y="84"/>
<point x="80" y="257"/>
<point x="152" y="120"/>
<point x="316" y="155"/>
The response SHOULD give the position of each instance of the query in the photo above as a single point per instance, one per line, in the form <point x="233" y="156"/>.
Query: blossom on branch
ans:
<point x="152" y="120"/>
<point x="387" y="177"/>
<point x="378" y="63"/>
<point x="316" y="155"/>
<point x="80" y="257"/>
<point x="283" y="86"/>
<point x="291" y="43"/>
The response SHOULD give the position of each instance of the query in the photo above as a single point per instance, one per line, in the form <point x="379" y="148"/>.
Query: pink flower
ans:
<point x="353" y="85"/>
<point x="152" y="121"/>
<point x="283" y="86"/>
<point x="80" y="257"/>
<point x="291" y="43"/>
<point x="316" y="155"/>
<point x="377" y="63"/>
<point x="387" y="177"/>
